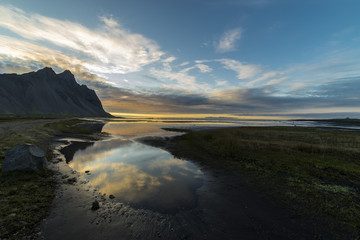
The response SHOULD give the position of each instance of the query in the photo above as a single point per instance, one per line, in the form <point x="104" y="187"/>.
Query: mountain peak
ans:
<point x="46" y="70"/>
<point x="67" y="72"/>
<point x="67" y="76"/>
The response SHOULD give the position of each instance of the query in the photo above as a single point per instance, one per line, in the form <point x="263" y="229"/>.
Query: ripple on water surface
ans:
<point x="141" y="175"/>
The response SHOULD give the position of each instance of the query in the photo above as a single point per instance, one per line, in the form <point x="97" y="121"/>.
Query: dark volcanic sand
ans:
<point x="226" y="209"/>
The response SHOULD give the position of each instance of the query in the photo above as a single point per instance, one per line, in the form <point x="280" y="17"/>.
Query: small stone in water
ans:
<point x="95" y="205"/>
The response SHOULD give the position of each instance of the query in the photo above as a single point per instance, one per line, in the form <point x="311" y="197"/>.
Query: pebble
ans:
<point x="72" y="180"/>
<point x="95" y="205"/>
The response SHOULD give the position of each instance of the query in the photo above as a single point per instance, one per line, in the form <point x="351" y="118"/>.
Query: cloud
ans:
<point x="265" y="76"/>
<point x="221" y="83"/>
<point x="183" y="79"/>
<point x="161" y="101"/>
<point x="202" y="67"/>
<point x="109" y="21"/>
<point x="338" y="96"/>
<point x="227" y="42"/>
<point x="184" y="64"/>
<point x="297" y="87"/>
<point x="169" y="59"/>
<point x="276" y="81"/>
<point x="108" y="49"/>
<point x="20" y="56"/>
<point x="244" y="71"/>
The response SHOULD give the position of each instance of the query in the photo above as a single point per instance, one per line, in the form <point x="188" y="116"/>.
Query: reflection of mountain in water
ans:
<point x="75" y="146"/>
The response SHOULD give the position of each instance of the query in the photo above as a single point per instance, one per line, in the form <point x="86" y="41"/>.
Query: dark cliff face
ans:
<point x="45" y="93"/>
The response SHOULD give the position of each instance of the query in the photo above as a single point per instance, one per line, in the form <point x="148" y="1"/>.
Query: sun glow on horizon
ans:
<point x="194" y="116"/>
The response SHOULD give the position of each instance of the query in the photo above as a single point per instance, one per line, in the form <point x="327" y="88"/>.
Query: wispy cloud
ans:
<point x="30" y="56"/>
<point x="243" y="70"/>
<point x="202" y="68"/>
<point x="184" y="64"/>
<point x="169" y="59"/>
<point x="264" y="77"/>
<point x="227" y="42"/>
<point x="276" y="81"/>
<point x="297" y="87"/>
<point x="108" y="49"/>
<point x="221" y="83"/>
<point x="183" y="80"/>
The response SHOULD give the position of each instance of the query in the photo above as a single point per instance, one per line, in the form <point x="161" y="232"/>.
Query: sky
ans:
<point x="209" y="57"/>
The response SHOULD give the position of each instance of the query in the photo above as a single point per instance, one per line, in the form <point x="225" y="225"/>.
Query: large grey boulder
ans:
<point x="24" y="157"/>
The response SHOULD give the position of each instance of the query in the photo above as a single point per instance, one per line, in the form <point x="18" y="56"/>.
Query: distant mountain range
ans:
<point x="47" y="94"/>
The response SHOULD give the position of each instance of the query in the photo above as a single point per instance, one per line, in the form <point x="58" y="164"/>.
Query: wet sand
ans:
<point x="226" y="209"/>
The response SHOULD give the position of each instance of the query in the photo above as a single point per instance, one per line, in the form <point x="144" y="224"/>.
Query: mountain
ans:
<point x="47" y="94"/>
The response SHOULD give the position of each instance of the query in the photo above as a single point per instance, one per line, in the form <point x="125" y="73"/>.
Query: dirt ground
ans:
<point x="21" y="126"/>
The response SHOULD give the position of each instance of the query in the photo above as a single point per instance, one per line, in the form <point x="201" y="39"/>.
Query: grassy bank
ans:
<point x="26" y="196"/>
<point x="314" y="173"/>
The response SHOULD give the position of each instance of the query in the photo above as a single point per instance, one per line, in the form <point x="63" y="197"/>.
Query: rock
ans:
<point x="87" y="171"/>
<point x="95" y="205"/>
<point x="111" y="196"/>
<point x="64" y="176"/>
<point x="24" y="157"/>
<point x="72" y="180"/>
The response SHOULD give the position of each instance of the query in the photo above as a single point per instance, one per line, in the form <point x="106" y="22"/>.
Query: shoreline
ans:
<point x="40" y="132"/>
<point x="269" y="217"/>
<point x="202" y="148"/>
<point x="239" y="207"/>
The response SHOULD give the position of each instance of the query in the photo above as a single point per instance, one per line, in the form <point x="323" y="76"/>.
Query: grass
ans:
<point x="314" y="173"/>
<point x="68" y="127"/>
<point x="340" y="121"/>
<point x="24" y="200"/>
<point x="26" y="196"/>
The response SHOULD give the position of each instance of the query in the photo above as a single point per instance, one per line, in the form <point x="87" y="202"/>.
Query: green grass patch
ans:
<point x="24" y="200"/>
<point x="69" y="127"/>
<point x="313" y="172"/>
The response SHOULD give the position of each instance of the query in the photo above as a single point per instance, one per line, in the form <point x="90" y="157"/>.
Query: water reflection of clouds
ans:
<point x="167" y="164"/>
<point x="133" y="184"/>
<point x="140" y="174"/>
<point x="131" y="130"/>
<point x="88" y="161"/>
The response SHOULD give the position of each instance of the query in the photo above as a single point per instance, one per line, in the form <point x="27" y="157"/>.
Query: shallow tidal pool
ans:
<point x="140" y="175"/>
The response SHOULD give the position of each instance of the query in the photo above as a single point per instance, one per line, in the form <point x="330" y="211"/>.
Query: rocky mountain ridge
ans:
<point x="47" y="94"/>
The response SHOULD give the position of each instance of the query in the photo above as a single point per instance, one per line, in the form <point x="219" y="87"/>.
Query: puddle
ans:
<point x="140" y="175"/>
